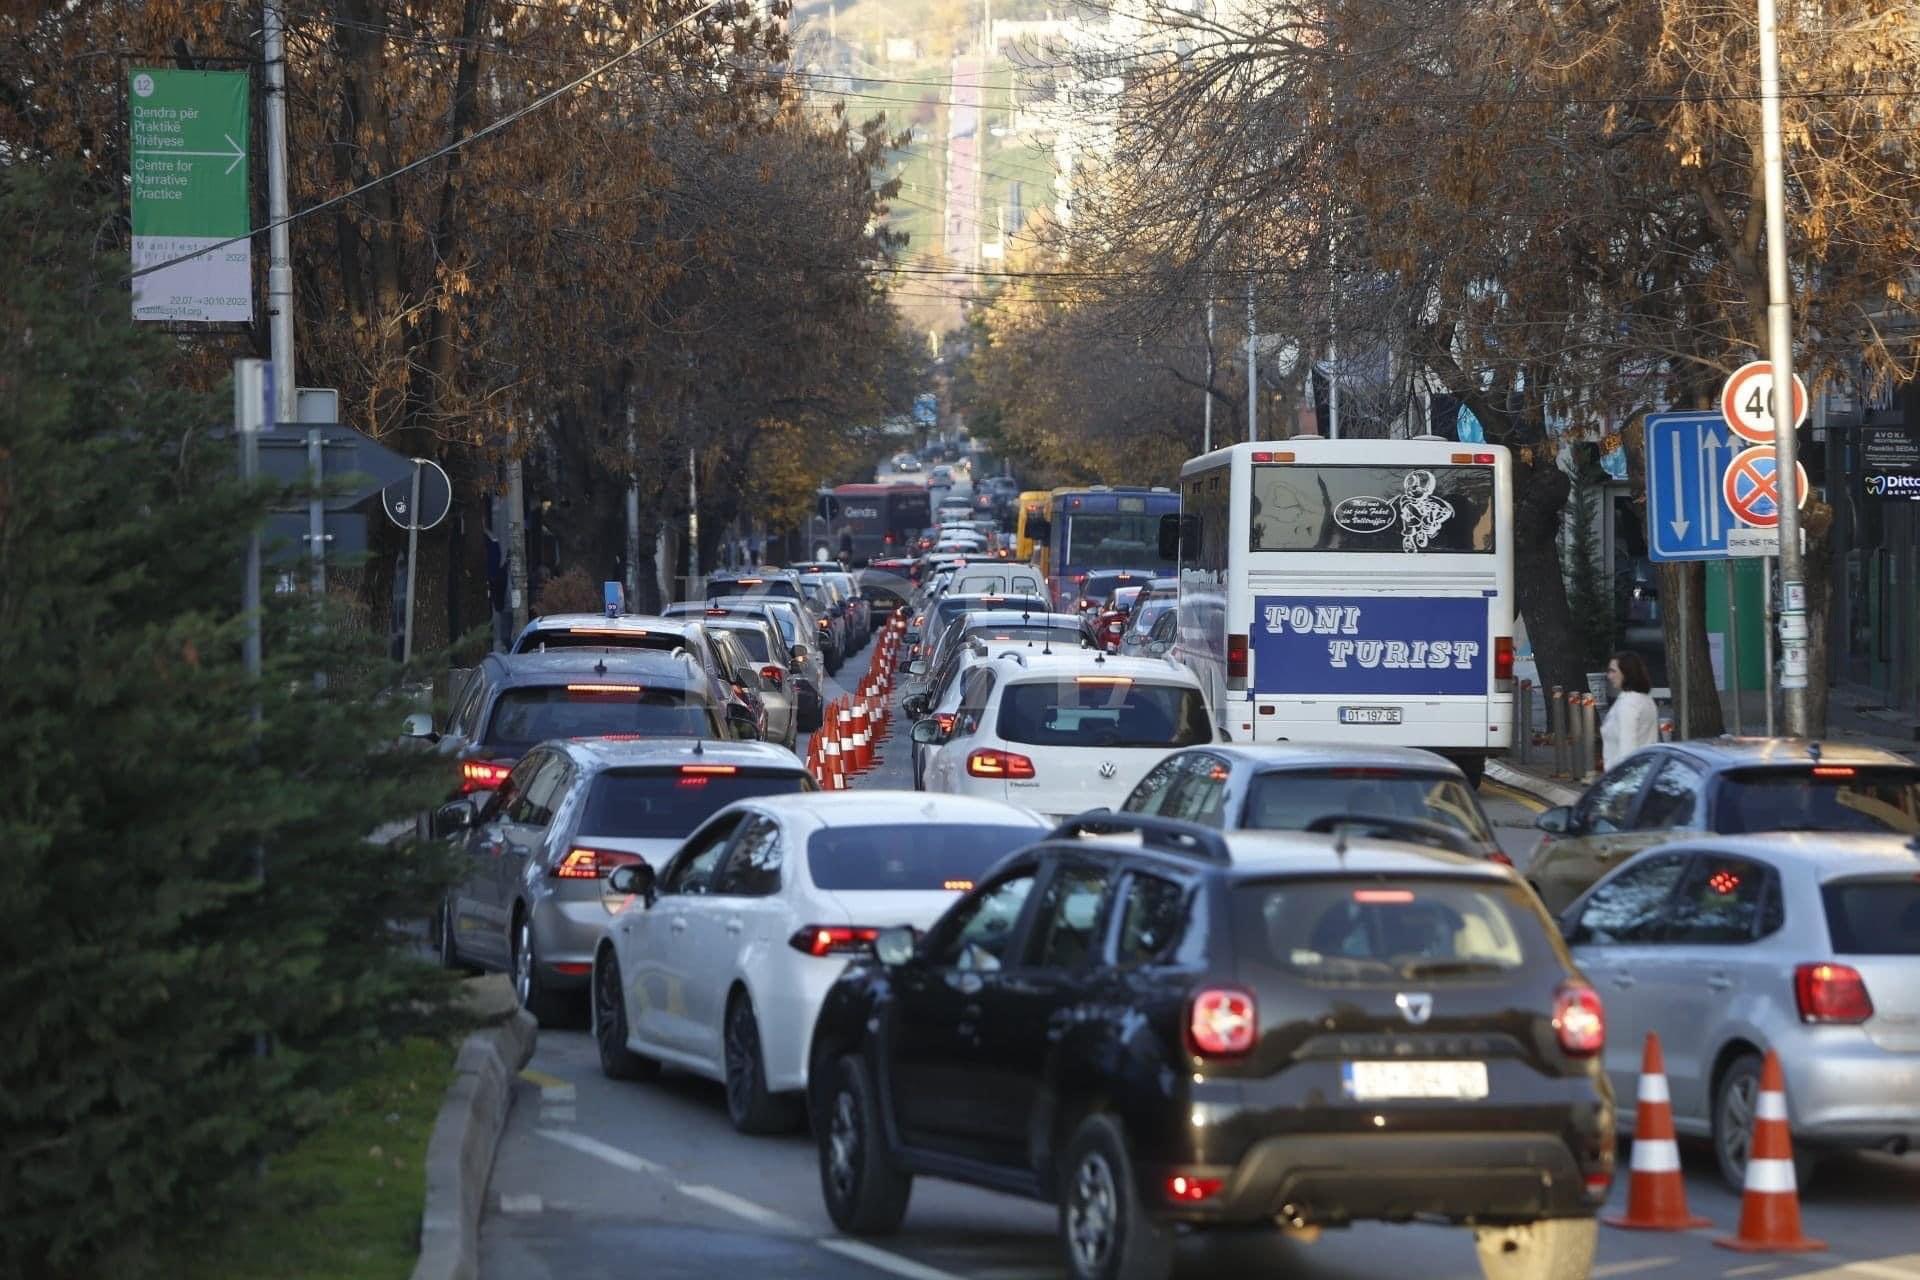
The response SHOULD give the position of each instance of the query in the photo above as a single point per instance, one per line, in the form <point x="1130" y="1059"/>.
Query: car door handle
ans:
<point x="678" y="924"/>
<point x="1622" y="979"/>
<point x="736" y="925"/>
<point x="1719" y="981"/>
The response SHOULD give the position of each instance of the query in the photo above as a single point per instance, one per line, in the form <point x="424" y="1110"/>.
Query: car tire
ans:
<point x="865" y="1191"/>
<point x="523" y="968"/>
<point x="1105" y="1232"/>
<point x="1734" y="1099"/>
<point x="449" y="944"/>
<point x="751" y="1107"/>
<point x="1551" y="1249"/>
<point x="609" y="1022"/>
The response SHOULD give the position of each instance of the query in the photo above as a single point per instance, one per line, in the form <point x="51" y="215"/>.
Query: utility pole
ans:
<point x="1793" y="580"/>
<point x="273" y="31"/>
<point x="517" y="542"/>
<point x="693" y="522"/>
<point x="633" y="513"/>
<point x="1206" y="430"/>
<point x="1253" y="369"/>
<point x="1333" y="388"/>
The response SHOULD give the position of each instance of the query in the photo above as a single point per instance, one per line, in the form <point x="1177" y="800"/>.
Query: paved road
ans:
<point x="599" y="1178"/>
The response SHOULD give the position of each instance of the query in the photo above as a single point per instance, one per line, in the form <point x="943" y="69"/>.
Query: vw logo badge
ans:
<point x="1108" y="768"/>
<point x="1415" y="1006"/>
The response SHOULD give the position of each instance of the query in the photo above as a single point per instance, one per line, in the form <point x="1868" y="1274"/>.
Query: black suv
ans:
<point x="1164" y="1028"/>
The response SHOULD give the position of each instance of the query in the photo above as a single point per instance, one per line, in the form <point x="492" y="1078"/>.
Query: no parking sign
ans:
<point x="1752" y="487"/>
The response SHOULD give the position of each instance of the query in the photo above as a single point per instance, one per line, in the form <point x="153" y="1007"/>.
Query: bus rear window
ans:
<point x="1405" y="510"/>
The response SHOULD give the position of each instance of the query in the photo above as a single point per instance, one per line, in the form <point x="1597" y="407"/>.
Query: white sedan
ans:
<point x="718" y="962"/>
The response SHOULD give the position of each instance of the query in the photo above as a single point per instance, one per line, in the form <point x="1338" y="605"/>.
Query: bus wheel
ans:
<point x="1475" y="767"/>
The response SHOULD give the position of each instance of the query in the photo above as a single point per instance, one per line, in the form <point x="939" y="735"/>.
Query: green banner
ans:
<point x="188" y="137"/>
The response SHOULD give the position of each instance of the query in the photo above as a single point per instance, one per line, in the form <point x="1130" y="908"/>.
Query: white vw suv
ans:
<point x="1063" y="732"/>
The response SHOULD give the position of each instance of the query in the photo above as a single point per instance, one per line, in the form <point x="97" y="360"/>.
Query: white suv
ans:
<point x="1063" y="732"/>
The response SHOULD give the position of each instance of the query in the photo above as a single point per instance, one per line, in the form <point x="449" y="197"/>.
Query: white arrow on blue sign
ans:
<point x="1687" y="514"/>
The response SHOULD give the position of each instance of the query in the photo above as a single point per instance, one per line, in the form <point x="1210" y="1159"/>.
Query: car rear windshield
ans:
<point x="1818" y="798"/>
<point x="1290" y="800"/>
<point x="600" y="638"/>
<point x="1063" y="637"/>
<point x="1873" y="917"/>
<point x="1103" y="711"/>
<point x="525" y="717"/>
<point x="953" y="606"/>
<point x="1379" y="930"/>
<point x="1099" y="586"/>
<point x="753" y="639"/>
<point x="639" y="803"/>
<point x="935" y="855"/>
<point x="754" y="587"/>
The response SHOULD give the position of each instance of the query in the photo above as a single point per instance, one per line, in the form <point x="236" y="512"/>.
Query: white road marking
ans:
<point x="601" y="1151"/>
<point x="1612" y="1269"/>
<point x="561" y="1114"/>
<point x="521" y="1204"/>
<point x="906" y="1268"/>
<point x="727" y="1202"/>
<point x="1883" y="1272"/>
<point x="1756" y="1269"/>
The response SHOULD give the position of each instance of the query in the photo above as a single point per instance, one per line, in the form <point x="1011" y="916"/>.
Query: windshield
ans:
<point x="1095" y="540"/>
<point x="1103" y="711"/>
<point x="1404" y="510"/>
<point x="1291" y="799"/>
<point x="934" y="855"/>
<point x="1873" y="917"/>
<point x="524" y="718"/>
<point x="644" y="803"/>
<point x="1820" y="798"/>
<point x="1334" y="930"/>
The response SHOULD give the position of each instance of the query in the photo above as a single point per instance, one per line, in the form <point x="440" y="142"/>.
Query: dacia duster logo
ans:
<point x="1108" y="768"/>
<point x="1415" y="1006"/>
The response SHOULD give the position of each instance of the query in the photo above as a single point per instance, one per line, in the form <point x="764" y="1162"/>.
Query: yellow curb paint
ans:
<point x="542" y="1079"/>
<point x="1519" y="797"/>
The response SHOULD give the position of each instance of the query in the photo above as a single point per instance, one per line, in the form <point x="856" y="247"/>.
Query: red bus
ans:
<point x="872" y="521"/>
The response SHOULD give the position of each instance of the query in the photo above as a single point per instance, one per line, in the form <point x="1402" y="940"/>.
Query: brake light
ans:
<point x="1503" y="657"/>
<point x="1382" y="897"/>
<point x="591" y="864"/>
<point x="1123" y="682"/>
<point x="958" y="886"/>
<point x="945" y="720"/>
<point x="604" y="631"/>
<point x="1832" y="771"/>
<point x="989" y="763"/>
<point x="772" y="675"/>
<point x="721" y="770"/>
<point x="1237" y="659"/>
<point x="1190" y="1190"/>
<point x="482" y="775"/>
<point x="1831" y="993"/>
<point x="833" y="939"/>
<point x="1222" y="1022"/>
<point x="1579" y="1020"/>
<point x="1500" y="857"/>
<point x="603" y="688"/>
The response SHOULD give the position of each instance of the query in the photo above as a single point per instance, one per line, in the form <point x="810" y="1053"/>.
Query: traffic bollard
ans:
<point x="1525" y="734"/>
<point x="1588" y="763"/>
<point x="1557" y="730"/>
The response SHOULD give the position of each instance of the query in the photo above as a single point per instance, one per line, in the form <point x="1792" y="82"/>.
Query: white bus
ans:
<point x="1354" y="591"/>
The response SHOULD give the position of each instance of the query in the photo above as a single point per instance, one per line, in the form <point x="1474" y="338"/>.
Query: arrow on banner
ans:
<point x="235" y="156"/>
<point x="1680" y="526"/>
<point x="1708" y="478"/>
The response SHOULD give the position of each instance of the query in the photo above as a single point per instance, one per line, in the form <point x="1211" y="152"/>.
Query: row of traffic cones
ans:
<point x="1657" y="1194"/>
<point x="853" y="725"/>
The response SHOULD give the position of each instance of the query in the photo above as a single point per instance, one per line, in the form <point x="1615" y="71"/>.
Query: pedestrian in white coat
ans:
<point x="1633" y="722"/>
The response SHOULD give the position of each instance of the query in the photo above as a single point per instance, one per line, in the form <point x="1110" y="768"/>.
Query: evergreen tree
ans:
<point x="142" y="959"/>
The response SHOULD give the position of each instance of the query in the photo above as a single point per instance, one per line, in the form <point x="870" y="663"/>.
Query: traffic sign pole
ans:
<point x="413" y="555"/>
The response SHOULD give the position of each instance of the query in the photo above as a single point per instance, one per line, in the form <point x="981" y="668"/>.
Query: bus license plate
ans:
<point x="1370" y="715"/>
<point x="1372" y="1081"/>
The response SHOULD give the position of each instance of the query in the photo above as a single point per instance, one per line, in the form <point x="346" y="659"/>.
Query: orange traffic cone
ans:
<point x="1656" y="1191"/>
<point x="831" y="778"/>
<point x="858" y="726"/>
<point x="1770" y="1206"/>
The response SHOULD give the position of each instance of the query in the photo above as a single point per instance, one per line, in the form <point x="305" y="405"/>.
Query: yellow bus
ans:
<point x="1031" y="521"/>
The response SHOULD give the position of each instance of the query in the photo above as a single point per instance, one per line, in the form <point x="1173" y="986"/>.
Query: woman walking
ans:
<point x="1633" y="722"/>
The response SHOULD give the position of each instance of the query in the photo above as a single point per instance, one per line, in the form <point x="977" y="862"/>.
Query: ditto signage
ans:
<point x="1389" y="645"/>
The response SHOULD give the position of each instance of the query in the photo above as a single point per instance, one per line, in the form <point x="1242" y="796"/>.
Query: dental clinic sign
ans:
<point x="188" y="188"/>
<point x="1398" y="645"/>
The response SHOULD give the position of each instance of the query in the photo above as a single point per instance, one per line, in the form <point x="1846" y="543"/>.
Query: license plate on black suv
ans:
<point x="1370" y="715"/>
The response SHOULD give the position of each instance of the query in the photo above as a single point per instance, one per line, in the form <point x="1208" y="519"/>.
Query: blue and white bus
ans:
<point x="1098" y="527"/>
<point x="1351" y="591"/>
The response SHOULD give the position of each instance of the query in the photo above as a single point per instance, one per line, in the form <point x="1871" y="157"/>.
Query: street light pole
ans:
<point x="1793" y="582"/>
<point x="1253" y="369"/>
<point x="273" y="33"/>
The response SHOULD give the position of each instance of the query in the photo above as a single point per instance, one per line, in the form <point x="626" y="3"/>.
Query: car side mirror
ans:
<point x="918" y="667"/>
<point x="635" y="879"/>
<point x="914" y="705"/>
<point x="928" y="734"/>
<point x="453" y="817"/>
<point x="1555" y="821"/>
<point x="1158" y="648"/>
<point x="895" y="946"/>
<point x="799" y="652"/>
<point x="419" y="725"/>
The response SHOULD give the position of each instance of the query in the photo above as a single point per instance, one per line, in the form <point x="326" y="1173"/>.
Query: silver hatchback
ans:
<point x="1727" y="946"/>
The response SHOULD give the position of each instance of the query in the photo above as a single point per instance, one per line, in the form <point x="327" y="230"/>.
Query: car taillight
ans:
<point x="1579" y="1020"/>
<point x="945" y="720"/>
<point x="773" y="675"/>
<point x="1503" y="657"/>
<point x="1191" y="1190"/>
<point x="1831" y="993"/>
<point x="1237" y="660"/>
<point x="833" y="939"/>
<point x="482" y="775"/>
<point x="1222" y="1022"/>
<point x="1500" y="857"/>
<point x="591" y="864"/>
<point x="989" y="763"/>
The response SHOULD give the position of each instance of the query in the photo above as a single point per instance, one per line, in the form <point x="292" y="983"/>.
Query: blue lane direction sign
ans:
<point x="1687" y="513"/>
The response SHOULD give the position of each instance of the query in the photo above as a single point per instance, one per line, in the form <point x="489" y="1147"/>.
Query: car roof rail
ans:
<point x="1015" y="654"/>
<point x="1388" y="827"/>
<point x="1169" y="835"/>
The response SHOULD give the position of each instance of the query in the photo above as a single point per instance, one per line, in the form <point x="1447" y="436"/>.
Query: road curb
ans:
<point x="460" y="1152"/>
<point x="1537" y="787"/>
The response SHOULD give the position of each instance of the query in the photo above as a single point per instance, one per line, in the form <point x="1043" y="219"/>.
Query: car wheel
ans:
<point x="617" y="1062"/>
<point x="1105" y="1232"/>
<point x="1552" y="1249"/>
<point x="450" y="943"/>
<point x="1734" y="1102"/>
<point x="751" y="1107"/>
<point x="865" y="1191"/>
<point x="528" y="987"/>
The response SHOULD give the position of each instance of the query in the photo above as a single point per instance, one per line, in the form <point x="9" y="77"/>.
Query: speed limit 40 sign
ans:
<point x="1746" y="402"/>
